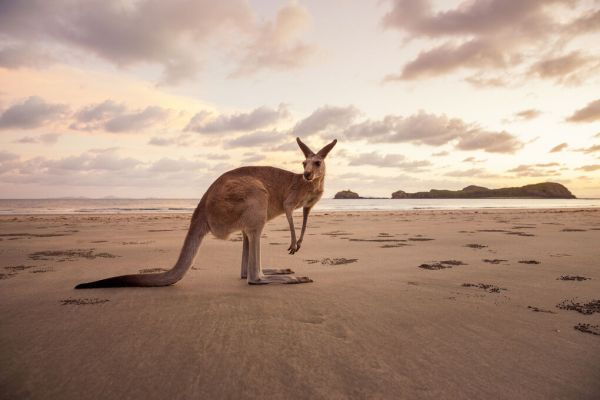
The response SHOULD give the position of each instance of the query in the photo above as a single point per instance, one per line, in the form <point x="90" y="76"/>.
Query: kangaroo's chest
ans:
<point x="311" y="198"/>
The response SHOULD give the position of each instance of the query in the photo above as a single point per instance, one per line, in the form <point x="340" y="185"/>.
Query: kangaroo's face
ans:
<point x="314" y="165"/>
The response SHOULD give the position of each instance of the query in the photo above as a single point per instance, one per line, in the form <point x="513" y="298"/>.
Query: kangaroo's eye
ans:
<point x="318" y="163"/>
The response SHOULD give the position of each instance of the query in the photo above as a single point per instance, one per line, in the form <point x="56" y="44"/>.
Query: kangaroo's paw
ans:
<point x="277" y="271"/>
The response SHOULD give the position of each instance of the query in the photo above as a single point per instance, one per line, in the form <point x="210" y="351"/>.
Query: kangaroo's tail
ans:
<point x="198" y="229"/>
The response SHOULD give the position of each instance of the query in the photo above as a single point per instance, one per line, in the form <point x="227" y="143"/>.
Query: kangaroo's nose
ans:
<point x="307" y="175"/>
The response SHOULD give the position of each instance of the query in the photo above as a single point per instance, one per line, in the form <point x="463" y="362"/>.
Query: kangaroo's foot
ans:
<point x="277" y="271"/>
<point x="282" y="279"/>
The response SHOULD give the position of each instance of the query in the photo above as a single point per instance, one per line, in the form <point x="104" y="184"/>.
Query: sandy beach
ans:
<point x="495" y="304"/>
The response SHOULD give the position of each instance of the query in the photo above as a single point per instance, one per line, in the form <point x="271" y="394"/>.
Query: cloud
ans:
<point x="137" y="120"/>
<point x="559" y="147"/>
<point x="536" y="170"/>
<point x="32" y="113"/>
<point x="592" y="149"/>
<point x="590" y="168"/>
<point x="449" y="57"/>
<point x="570" y="68"/>
<point x="177" y="36"/>
<point x="252" y="158"/>
<point x="326" y="117"/>
<point x="440" y="154"/>
<point x="433" y="130"/>
<point x="277" y="46"/>
<point x="488" y="35"/>
<point x="389" y="161"/>
<point x="47" y="138"/>
<point x="491" y="142"/>
<point x="472" y="172"/>
<point x="472" y="160"/>
<point x="20" y="56"/>
<point x="255" y="139"/>
<point x="528" y="114"/>
<point x="589" y="113"/>
<point x="103" y="168"/>
<point x="175" y="165"/>
<point x="181" y="140"/>
<point x="260" y="117"/>
<point x="212" y="156"/>
<point x="115" y="117"/>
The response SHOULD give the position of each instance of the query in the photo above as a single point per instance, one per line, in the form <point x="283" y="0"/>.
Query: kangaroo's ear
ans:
<point x="325" y="150"/>
<point x="307" y="152"/>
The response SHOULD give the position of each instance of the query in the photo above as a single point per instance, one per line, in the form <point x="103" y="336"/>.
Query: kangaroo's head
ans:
<point x="314" y="165"/>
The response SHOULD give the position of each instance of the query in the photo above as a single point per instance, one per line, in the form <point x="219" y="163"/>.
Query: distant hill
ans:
<point x="546" y="190"/>
<point x="346" y="194"/>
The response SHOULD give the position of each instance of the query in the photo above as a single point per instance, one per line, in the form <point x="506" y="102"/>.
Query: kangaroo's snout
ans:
<point x="308" y="176"/>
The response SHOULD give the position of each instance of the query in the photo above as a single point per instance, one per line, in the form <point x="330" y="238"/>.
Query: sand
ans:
<point x="416" y="305"/>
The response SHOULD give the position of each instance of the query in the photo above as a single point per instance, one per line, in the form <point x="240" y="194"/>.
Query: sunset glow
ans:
<point x="156" y="99"/>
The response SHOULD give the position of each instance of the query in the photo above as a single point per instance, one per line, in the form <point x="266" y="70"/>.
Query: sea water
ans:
<point x="149" y="206"/>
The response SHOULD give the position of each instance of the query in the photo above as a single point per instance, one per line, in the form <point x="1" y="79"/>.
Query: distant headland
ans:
<point x="545" y="190"/>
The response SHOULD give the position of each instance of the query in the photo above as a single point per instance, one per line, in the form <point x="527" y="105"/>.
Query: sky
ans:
<point x="150" y="98"/>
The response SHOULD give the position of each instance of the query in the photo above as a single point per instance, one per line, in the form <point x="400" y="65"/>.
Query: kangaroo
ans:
<point x="244" y="199"/>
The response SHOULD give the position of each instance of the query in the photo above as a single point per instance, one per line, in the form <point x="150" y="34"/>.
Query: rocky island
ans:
<point x="346" y="194"/>
<point x="545" y="190"/>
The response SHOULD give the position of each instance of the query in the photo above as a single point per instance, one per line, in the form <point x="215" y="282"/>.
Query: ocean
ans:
<point x="187" y="206"/>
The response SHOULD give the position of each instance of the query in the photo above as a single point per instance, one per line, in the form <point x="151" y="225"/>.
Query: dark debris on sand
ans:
<point x="485" y="286"/>
<point x="475" y="246"/>
<point x="333" y="261"/>
<point x="494" y="260"/>
<point x="83" y="301"/>
<point x="529" y="262"/>
<point x="537" y="309"/>
<point x="587" y="328"/>
<point x="572" y="278"/>
<point x="583" y="308"/>
<point x="441" y="265"/>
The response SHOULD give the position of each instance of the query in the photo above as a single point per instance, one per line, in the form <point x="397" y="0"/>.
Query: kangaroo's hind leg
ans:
<point x="246" y="245"/>
<point x="255" y="274"/>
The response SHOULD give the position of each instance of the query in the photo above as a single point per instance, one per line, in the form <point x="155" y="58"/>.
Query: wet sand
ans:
<point x="500" y="304"/>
